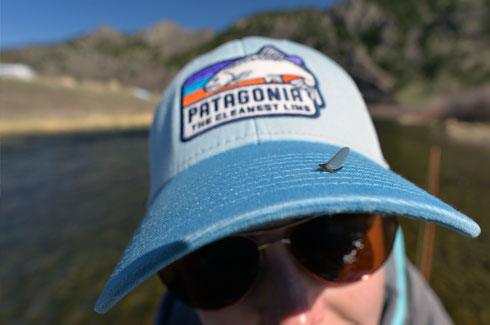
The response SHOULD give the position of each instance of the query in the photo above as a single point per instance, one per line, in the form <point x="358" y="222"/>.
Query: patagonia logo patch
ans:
<point x="265" y="84"/>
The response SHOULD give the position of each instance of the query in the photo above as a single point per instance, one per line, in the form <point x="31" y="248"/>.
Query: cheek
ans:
<point x="239" y="314"/>
<point x="360" y="302"/>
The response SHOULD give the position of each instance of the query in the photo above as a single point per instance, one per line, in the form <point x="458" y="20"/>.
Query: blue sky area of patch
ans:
<point x="25" y="22"/>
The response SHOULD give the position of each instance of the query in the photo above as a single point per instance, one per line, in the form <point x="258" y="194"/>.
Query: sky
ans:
<point x="26" y="22"/>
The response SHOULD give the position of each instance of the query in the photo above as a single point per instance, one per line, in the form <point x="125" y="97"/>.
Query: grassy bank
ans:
<point x="60" y="105"/>
<point x="57" y="105"/>
<point x="94" y="122"/>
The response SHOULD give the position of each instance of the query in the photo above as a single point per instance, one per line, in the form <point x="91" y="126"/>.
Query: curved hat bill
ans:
<point x="257" y="184"/>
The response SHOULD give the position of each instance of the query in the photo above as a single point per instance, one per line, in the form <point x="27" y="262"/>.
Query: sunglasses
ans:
<point x="340" y="248"/>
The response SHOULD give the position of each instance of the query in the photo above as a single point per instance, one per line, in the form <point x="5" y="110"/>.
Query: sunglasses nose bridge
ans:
<point x="263" y="245"/>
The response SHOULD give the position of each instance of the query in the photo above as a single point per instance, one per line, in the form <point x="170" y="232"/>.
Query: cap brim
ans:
<point x="259" y="184"/>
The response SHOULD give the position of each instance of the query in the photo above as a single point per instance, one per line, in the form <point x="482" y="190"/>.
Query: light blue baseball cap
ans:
<point x="236" y="143"/>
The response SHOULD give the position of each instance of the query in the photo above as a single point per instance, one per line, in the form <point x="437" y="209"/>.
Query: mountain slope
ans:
<point x="434" y="46"/>
<point x="394" y="50"/>
<point x="133" y="59"/>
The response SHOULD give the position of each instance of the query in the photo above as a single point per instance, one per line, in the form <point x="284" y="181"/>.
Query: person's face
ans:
<point x="285" y="293"/>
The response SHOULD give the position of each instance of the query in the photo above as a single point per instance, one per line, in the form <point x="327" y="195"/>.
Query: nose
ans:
<point x="289" y="293"/>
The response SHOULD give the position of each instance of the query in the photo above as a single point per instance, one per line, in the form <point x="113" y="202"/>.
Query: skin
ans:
<point x="285" y="293"/>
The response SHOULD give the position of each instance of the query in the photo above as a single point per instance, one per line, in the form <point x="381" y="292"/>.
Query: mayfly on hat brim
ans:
<point x="333" y="165"/>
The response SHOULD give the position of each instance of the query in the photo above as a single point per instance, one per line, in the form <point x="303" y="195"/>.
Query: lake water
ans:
<point x="70" y="203"/>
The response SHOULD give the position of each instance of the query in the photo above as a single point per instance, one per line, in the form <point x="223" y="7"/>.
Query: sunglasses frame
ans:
<point x="261" y="244"/>
<point x="281" y="234"/>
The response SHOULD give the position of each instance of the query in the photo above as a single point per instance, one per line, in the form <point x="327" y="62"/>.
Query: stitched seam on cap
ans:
<point x="416" y="204"/>
<point x="321" y="201"/>
<point x="254" y="122"/>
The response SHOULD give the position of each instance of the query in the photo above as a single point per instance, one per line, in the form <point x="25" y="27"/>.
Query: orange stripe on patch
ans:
<point x="287" y="78"/>
<point x="201" y="94"/>
<point x="194" y="97"/>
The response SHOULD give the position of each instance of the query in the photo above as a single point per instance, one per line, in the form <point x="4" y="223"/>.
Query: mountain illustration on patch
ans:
<point x="263" y="84"/>
<point x="269" y="65"/>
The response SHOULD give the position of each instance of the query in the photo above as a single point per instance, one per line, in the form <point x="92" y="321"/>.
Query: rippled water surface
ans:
<point x="70" y="203"/>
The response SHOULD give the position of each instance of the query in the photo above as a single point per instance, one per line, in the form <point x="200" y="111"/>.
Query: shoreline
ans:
<point x="471" y="133"/>
<point x="90" y="123"/>
<point x="47" y="106"/>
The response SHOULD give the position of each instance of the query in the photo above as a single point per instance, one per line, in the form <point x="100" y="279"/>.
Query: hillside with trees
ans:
<point x="397" y="52"/>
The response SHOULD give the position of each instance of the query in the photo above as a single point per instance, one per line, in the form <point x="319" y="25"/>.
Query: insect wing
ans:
<point x="339" y="158"/>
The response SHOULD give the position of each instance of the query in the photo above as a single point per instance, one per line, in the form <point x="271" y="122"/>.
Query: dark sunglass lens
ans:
<point x="214" y="276"/>
<point x="346" y="247"/>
